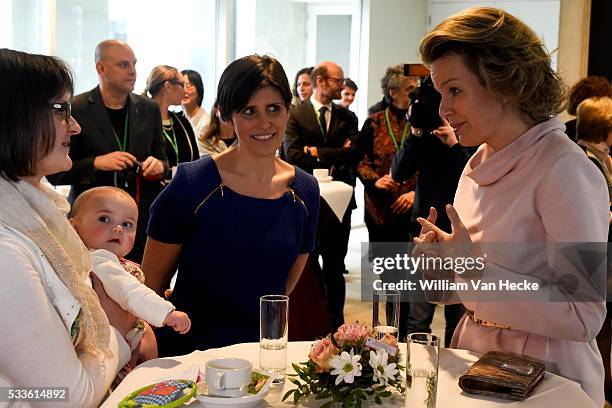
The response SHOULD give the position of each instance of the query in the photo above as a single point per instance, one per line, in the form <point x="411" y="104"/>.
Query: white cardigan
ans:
<point x="37" y="312"/>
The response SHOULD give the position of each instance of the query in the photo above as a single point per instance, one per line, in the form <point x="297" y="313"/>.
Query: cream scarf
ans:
<point x="34" y="212"/>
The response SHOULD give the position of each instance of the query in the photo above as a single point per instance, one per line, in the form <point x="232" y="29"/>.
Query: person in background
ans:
<point x="302" y="86"/>
<point x="212" y="141"/>
<point x="121" y="142"/>
<point x="387" y="202"/>
<point x="54" y="330"/>
<point x="322" y="134"/>
<point x="192" y="102"/>
<point x="438" y="159"/>
<point x="583" y="89"/>
<point x="347" y="96"/>
<point x="166" y="85"/>
<point x="594" y="132"/>
<point x="527" y="183"/>
<point x="239" y="224"/>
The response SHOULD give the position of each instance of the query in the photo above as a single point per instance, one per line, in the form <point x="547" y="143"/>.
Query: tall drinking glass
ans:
<point x="273" y="328"/>
<point x="385" y="312"/>
<point x="422" y="358"/>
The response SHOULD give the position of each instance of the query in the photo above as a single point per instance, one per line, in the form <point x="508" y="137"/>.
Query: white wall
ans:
<point x="280" y="30"/>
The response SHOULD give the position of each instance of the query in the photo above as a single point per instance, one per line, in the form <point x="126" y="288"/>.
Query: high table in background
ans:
<point x="554" y="391"/>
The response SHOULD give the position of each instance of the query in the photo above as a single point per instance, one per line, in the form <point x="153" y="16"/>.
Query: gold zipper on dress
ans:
<point x="298" y="198"/>
<point x="219" y="187"/>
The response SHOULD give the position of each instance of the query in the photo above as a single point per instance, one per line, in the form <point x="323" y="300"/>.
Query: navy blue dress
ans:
<point x="235" y="248"/>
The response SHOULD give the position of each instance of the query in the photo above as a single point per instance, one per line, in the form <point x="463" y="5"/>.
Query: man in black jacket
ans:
<point x="121" y="142"/>
<point x="439" y="159"/>
<point x="321" y="134"/>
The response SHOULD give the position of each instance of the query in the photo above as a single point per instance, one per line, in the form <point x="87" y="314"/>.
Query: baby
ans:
<point x="105" y="218"/>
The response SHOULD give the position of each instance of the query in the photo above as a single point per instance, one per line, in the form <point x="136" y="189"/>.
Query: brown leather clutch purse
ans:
<point x="502" y="375"/>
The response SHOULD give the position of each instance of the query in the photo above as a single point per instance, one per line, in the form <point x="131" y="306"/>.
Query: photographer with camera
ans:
<point x="432" y="150"/>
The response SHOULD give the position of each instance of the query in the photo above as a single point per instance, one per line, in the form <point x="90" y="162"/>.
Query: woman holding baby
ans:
<point x="44" y="293"/>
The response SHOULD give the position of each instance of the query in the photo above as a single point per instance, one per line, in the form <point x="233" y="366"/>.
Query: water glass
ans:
<point x="385" y="312"/>
<point x="422" y="358"/>
<point x="273" y="329"/>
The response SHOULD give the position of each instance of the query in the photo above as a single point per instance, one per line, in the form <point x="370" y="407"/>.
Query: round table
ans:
<point x="553" y="391"/>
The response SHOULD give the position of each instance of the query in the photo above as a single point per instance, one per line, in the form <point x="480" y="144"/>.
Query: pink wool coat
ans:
<point x="540" y="188"/>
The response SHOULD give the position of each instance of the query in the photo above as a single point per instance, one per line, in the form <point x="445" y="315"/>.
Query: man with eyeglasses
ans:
<point x="121" y="143"/>
<point x="322" y="134"/>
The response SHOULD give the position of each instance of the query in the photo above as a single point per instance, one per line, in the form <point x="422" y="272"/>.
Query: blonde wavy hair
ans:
<point x="508" y="57"/>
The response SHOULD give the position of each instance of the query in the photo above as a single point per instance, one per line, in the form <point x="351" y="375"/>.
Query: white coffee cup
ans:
<point x="320" y="174"/>
<point x="228" y="377"/>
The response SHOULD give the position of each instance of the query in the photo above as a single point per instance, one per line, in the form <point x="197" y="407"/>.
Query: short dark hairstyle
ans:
<point x="320" y="71"/>
<point x="195" y="79"/>
<point x="27" y="132"/>
<point x="246" y="75"/>
<point x="307" y="70"/>
<point x="587" y="88"/>
<point x="349" y="83"/>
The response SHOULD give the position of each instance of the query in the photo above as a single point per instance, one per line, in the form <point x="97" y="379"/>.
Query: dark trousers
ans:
<point x="332" y="245"/>
<point x="421" y="315"/>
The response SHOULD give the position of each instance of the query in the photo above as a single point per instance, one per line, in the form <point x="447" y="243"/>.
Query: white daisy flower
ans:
<point x="383" y="372"/>
<point x="346" y="366"/>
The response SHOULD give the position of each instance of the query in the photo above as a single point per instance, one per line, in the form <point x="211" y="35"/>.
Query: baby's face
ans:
<point x="108" y="223"/>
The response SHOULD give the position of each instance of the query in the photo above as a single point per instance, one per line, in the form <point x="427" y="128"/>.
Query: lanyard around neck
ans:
<point x="125" y="133"/>
<point x="172" y="141"/>
<point x="391" y="134"/>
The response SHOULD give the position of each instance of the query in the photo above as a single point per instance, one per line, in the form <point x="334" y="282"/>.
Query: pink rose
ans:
<point x="389" y="339"/>
<point x="322" y="353"/>
<point x="351" y="333"/>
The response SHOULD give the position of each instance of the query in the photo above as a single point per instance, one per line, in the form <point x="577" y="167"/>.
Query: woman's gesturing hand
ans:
<point x="457" y="243"/>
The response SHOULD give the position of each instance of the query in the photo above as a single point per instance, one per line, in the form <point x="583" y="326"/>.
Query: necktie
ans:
<point x="323" y="120"/>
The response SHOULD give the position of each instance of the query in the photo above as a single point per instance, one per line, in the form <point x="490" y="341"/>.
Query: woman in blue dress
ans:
<point x="239" y="224"/>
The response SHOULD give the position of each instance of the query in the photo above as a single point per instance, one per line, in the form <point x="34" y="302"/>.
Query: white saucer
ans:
<point x="248" y="401"/>
<point x="325" y="179"/>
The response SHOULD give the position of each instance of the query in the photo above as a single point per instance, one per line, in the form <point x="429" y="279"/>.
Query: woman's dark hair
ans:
<point x="349" y="83"/>
<point x="244" y="76"/>
<point x="27" y="132"/>
<point x="587" y="88"/>
<point x="212" y="130"/>
<point x="307" y="70"/>
<point x="505" y="54"/>
<point x="196" y="80"/>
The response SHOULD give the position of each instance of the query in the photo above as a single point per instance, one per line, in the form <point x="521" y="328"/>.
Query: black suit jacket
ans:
<point x="337" y="151"/>
<point x="97" y="138"/>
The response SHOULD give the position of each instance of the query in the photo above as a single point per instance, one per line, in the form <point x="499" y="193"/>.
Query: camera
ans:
<point x="424" y="100"/>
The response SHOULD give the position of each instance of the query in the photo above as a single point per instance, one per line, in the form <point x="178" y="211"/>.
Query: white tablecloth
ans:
<point x="553" y="391"/>
<point x="337" y="195"/>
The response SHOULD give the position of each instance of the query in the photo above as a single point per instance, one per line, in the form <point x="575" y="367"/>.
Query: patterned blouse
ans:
<point x="379" y="148"/>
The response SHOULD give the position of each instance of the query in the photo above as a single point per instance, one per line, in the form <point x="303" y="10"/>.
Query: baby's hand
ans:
<point x="179" y="321"/>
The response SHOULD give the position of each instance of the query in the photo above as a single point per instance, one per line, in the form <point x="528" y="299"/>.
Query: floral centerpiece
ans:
<point x="349" y="367"/>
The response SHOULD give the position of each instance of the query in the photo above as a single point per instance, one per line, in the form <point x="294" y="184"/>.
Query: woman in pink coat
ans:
<point x="527" y="183"/>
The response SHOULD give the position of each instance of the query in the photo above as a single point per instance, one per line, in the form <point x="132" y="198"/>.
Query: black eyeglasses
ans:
<point x="338" y="81"/>
<point x="65" y="108"/>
